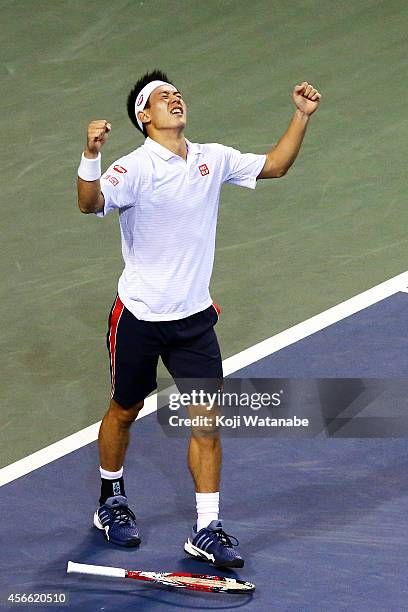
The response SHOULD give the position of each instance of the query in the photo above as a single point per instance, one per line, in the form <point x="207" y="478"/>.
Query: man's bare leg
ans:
<point x="114" y="433"/>
<point x="204" y="461"/>
<point x="204" y="451"/>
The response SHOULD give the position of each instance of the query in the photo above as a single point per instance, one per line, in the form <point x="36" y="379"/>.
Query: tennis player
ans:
<point x="167" y="192"/>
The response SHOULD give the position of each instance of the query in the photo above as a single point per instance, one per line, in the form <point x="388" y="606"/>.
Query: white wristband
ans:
<point x="90" y="169"/>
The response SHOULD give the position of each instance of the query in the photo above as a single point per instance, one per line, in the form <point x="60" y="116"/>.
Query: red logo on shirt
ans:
<point x="204" y="169"/>
<point x="120" y="169"/>
<point x="111" y="179"/>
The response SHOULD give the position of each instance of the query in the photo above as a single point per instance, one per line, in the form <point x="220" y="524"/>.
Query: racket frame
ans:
<point x="216" y="584"/>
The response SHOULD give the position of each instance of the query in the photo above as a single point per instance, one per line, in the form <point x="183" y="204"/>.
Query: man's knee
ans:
<point x="208" y="435"/>
<point x="125" y="414"/>
<point x="204" y="422"/>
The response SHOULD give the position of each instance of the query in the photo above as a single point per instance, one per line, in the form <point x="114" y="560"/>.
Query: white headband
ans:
<point x="144" y="96"/>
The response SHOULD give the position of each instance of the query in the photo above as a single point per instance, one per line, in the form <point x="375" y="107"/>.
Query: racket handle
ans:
<point x="95" y="570"/>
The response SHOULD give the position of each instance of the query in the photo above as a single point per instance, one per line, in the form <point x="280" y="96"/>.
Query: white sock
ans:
<point x="207" y="508"/>
<point x="111" y="475"/>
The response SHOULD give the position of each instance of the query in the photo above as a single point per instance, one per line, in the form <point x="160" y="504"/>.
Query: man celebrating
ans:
<point x="167" y="193"/>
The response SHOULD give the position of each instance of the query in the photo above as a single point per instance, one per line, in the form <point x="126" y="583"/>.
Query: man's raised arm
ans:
<point x="90" y="197"/>
<point x="282" y="156"/>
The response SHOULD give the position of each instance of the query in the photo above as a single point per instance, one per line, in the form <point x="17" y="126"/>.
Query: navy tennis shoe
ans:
<point x="213" y="545"/>
<point x="118" y="521"/>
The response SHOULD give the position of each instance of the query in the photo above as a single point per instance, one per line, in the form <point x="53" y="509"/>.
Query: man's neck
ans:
<point x="174" y="142"/>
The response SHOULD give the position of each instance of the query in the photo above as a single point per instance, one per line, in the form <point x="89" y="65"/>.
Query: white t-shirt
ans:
<point x="168" y="213"/>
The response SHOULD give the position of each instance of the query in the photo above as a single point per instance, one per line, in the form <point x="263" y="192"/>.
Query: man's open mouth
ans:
<point x="176" y="111"/>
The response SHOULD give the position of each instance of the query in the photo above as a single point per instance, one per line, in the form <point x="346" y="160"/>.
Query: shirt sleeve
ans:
<point x="242" y="168"/>
<point x="119" y="186"/>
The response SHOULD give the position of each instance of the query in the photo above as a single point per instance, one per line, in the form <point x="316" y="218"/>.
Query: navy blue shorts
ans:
<point x="188" y="347"/>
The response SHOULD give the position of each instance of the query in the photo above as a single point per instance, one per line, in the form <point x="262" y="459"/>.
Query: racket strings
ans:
<point x="210" y="582"/>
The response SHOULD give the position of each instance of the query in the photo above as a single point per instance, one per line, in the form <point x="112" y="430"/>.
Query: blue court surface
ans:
<point x="322" y="522"/>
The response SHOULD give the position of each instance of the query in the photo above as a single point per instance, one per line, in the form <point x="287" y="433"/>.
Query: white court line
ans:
<point x="316" y="323"/>
<point x="232" y="364"/>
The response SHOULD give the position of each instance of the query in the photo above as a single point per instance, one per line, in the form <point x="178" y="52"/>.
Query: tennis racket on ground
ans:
<point x="193" y="582"/>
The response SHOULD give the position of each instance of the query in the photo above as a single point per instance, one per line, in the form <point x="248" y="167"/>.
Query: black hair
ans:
<point x="155" y="75"/>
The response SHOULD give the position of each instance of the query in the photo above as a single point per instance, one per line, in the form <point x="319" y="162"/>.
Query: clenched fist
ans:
<point x="306" y="98"/>
<point x="97" y="134"/>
